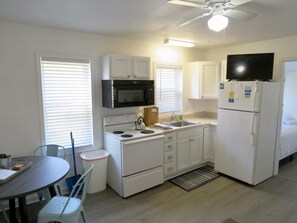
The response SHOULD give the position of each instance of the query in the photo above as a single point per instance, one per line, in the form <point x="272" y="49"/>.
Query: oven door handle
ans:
<point x="143" y="139"/>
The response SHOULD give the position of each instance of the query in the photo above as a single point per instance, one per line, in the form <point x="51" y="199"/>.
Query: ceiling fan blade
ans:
<point x="186" y="3"/>
<point x="194" y="19"/>
<point x="238" y="14"/>
<point x="235" y="3"/>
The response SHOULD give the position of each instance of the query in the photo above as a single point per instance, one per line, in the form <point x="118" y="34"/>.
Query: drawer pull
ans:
<point x="169" y="147"/>
<point x="170" y="157"/>
<point x="170" y="137"/>
<point x="169" y="168"/>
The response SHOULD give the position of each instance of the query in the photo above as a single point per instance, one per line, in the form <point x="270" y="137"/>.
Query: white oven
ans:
<point x="135" y="163"/>
<point x="142" y="154"/>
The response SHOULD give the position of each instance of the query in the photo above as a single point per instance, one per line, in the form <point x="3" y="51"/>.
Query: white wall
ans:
<point x="20" y="117"/>
<point x="284" y="49"/>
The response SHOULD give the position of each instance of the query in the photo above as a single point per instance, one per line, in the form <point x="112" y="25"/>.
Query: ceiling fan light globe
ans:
<point x="218" y="23"/>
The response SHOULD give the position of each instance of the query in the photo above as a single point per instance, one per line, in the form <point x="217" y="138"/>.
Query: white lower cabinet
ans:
<point x="189" y="148"/>
<point x="209" y="143"/>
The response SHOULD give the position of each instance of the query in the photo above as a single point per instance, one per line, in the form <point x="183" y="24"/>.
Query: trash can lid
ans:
<point x="94" y="155"/>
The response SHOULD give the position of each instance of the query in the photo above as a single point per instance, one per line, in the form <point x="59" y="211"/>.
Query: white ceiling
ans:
<point x="154" y="20"/>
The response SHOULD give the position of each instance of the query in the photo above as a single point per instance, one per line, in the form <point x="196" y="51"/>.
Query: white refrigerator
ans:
<point x="247" y="130"/>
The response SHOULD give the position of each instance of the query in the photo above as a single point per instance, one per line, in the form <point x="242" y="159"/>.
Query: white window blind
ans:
<point x="168" y="88"/>
<point x="67" y="101"/>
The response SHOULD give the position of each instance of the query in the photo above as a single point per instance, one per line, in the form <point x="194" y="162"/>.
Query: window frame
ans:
<point x="38" y="57"/>
<point x="156" y="64"/>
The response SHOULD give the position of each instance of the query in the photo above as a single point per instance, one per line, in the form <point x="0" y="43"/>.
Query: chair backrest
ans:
<point x="81" y="184"/>
<point x="50" y="150"/>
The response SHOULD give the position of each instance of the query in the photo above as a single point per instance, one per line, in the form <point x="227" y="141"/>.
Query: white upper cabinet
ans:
<point x="126" y="67"/>
<point x="223" y="70"/>
<point x="141" y="67"/>
<point x="205" y="77"/>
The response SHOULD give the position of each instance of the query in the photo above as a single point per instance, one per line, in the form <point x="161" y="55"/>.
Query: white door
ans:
<point x="240" y="95"/>
<point x="236" y="139"/>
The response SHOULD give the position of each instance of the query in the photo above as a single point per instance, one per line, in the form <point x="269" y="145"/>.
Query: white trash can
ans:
<point x="98" y="178"/>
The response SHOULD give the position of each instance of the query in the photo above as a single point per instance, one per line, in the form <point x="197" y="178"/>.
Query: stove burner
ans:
<point x="126" y="135"/>
<point x="118" y="132"/>
<point x="147" y="131"/>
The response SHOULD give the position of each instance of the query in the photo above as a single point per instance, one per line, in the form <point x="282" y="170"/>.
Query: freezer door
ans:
<point x="240" y="95"/>
<point x="237" y="136"/>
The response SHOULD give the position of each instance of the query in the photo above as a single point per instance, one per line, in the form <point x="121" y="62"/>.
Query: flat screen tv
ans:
<point x="249" y="67"/>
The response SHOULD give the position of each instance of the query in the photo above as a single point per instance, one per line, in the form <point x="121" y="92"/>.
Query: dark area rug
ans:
<point x="229" y="220"/>
<point x="195" y="178"/>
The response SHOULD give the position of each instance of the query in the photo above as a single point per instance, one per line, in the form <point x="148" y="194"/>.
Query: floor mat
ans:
<point x="229" y="220"/>
<point x="195" y="178"/>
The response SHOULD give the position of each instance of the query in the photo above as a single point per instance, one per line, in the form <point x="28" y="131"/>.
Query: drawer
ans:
<point x="142" y="181"/>
<point x="169" y="156"/>
<point x="169" y="168"/>
<point x="190" y="132"/>
<point x="169" y="146"/>
<point x="168" y="137"/>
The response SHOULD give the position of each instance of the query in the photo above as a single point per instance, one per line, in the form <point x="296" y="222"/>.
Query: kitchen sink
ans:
<point x="181" y="124"/>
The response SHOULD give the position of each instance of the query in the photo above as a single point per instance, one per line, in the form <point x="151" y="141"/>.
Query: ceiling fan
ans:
<point x="220" y="10"/>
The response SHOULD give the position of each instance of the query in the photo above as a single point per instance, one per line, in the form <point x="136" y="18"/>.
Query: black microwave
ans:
<point x="127" y="93"/>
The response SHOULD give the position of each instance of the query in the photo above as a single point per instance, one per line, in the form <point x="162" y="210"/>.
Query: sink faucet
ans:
<point x="173" y="116"/>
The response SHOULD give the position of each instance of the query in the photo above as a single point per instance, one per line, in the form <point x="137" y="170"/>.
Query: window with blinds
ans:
<point x="67" y="101"/>
<point x="168" y="87"/>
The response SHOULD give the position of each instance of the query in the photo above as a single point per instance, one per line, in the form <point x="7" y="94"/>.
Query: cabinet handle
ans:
<point x="170" y="137"/>
<point x="169" y="147"/>
<point x="169" y="169"/>
<point x="135" y="75"/>
<point x="128" y="75"/>
<point x="170" y="157"/>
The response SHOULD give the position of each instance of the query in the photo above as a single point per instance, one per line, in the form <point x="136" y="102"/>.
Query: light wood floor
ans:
<point x="273" y="201"/>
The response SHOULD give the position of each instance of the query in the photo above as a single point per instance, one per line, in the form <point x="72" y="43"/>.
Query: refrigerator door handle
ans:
<point x="256" y="93"/>
<point x="254" y="129"/>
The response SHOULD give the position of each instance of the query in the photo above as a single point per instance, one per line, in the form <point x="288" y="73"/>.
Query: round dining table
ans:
<point x="43" y="172"/>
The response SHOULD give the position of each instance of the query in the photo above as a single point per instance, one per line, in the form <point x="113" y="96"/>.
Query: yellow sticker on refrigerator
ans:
<point x="231" y="96"/>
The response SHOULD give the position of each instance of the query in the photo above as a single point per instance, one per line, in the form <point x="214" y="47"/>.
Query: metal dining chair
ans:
<point x="49" y="150"/>
<point x="4" y="212"/>
<point x="67" y="209"/>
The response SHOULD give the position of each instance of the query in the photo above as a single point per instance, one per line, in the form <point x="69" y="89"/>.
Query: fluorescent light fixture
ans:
<point x="173" y="42"/>
<point x="217" y="23"/>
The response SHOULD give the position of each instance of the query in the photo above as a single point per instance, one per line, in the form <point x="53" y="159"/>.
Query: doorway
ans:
<point x="288" y="139"/>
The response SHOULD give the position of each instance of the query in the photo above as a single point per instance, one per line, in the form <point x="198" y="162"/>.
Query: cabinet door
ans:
<point x="196" y="145"/>
<point x="205" y="78"/>
<point x="189" y="152"/>
<point x="223" y="70"/>
<point x="183" y="154"/>
<point x="120" y="67"/>
<point x="209" y="143"/>
<point x="141" y="68"/>
<point x="210" y="78"/>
